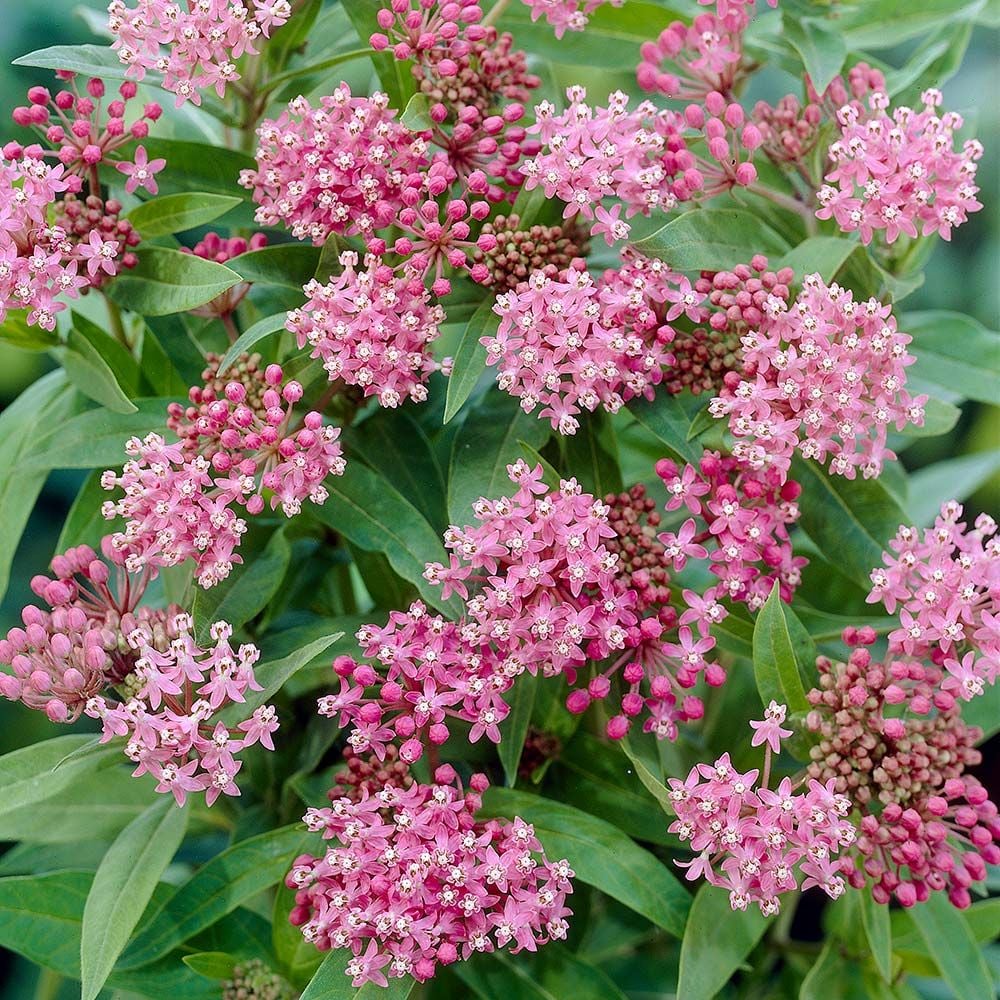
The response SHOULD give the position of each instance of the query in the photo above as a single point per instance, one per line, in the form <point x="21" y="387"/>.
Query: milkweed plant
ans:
<point x="493" y="574"/>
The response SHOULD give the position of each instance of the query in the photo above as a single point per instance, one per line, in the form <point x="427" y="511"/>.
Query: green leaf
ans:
<point x="416" y="115"/>
<point x="876" y="24"/>
<point x="712" y="239"/>
<point x="364" y="507"/>
<point x="393" y="443"/>
<point x="37" y="772"/>
<point x="716" y="942"/>
<point x="590" y="455"/>
<point x="90" y="60"/>
<point x="833" y="977"/>
<point x="516" y="726"/>
<point x="297" y="957"/>
<point x="96" y="439"/>
<point x="85" y="524"/>
<point x="92" y="375"/>
<point x="851" y="519"/>
<point x="470" y="358"/>
<point x="40" y="918"/>
<point x="483" y="448"/>
<point x="552" y="973"/>
<point x="294" y="34"/>
<point x="776" y="660"/>
<point x="953" y="946"/>
<point x="954" y="353"/>
<point x="952" y="479"/>
<point x="821" y="46"/>
<point x="667" y="420"/>
<point x="601" y="855"/>
<point x="823" y="255"/>
<point x="652" y="784"/>
<point x="290" y="265"/>
<point x="332" y="983"/>
<point x="878" y="931"/>
<point x="310" y="69"/>
<point x="211" y="964"/>
<point x="122" y="887"/>
<point x="42" y="404"/>
<point x="96" y="806"/>
<point x="14" y="330"/>
<point x="251" y="337"/>
<point x="118" y="357"/>
<point x="175" y="213"/>
<point x="246" y="591"/>
<point x="167" y="281"/>
<point x="199" y="166"/>
<point x="217" y="888"/>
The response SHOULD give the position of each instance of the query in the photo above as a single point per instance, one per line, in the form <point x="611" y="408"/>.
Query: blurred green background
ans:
<point x="962" y="276"/>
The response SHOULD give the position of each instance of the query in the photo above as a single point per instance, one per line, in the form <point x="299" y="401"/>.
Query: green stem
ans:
<point x="232" y="330"/>
<point x="495" y="13"/>
<point x="785" y="201"/>
<point x="48" y="985"/>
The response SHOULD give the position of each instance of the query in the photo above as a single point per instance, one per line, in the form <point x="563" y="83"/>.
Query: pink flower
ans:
<point x="566" y="15"/>
<point x="141" y="173"/>
<point x="769" y="731"/>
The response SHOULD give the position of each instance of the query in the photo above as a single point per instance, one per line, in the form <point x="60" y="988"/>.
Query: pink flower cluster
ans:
<point x="944" y="583"/>
<point x="52" y="243"/>
<point x="194" y="46"/>
<point x="170" y="702"/>
<point x="823" y="375"/>
<point x="573" y="344"/>
<point x="371" y="328"/>
<point x="747" y="513"/>
<point x="415" y="881"/>
<point x="900" y="173"/>
<point x="66" y="655"/>
<point x="926" y="825"/>
<point x="180" y="500"/>
<point x="566" y="15"/>
<point x="758" y="842"/>
<point x="220" y="250"/>
<point x="347" y="166"/>
<point x="640" y="157"/>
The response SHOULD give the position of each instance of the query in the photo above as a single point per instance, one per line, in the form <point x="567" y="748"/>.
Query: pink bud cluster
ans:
<point x="41" y="261"/>
<point x="414" y="881"/>
<point x="823" y="375"/>
<point x="193" y="46"/>
<point x="170" y="712"/>
<point x="758" y="842"/>
<point x="700" y="57"/>
<point x="347" y="166"/>
<point x="66" y="655"/>
<point x="566" y="15"/>
<point x="372" y="328"/>
<point x="430" y="30"/>
<point x="944" y="583"/>
<point x="900" y="173"/>
<point x="82" y="133"/>
<point x="180" y="504"/>
<point x="790" y="130"/>
<point x="220" y="250"/>
<point x="640" y="156"/>
<point x="926" y="825"/>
